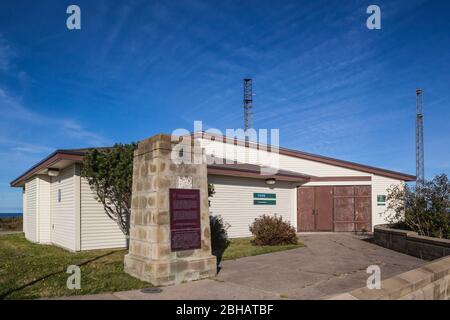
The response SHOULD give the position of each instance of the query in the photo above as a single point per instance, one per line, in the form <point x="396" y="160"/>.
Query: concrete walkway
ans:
<point x="329" y="264"/>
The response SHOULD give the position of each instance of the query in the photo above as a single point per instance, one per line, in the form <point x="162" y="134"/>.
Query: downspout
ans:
<point x="77" y="206"/>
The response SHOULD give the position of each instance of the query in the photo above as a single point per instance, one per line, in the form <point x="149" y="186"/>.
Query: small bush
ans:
<point x="271" y="231"/>
<point x="219" y="237"/>
<point x="11" y="224"/>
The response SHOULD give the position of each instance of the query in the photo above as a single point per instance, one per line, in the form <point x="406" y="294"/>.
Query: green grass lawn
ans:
<point x="242" y="247"/>
<point x="29" y="271"/>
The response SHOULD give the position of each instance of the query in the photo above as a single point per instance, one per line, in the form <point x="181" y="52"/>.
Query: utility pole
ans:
<point x="248" y="100"/>
<point x="420" y="171"/>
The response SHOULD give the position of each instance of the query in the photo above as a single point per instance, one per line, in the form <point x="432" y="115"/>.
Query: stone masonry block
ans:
<point x="397" y="287"/>
<point x="151" y="200"/>
<point x="158" y="234"/>
<point x="417" y="277"/>
<point x="161" y="217"/>
<point x="343" y="296"/>
<point x="161" y="251"/>
<point x="440" y="268"/>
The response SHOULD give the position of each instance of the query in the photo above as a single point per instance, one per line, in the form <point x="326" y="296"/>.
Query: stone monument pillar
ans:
<point x="170" y="240"/>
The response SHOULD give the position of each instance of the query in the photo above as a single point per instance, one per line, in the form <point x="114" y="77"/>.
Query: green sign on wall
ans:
<point x="381" y="200"/>
<point x="266" y="202"/>
<point x="265" y="195"/>
<point x="264" y="198"/>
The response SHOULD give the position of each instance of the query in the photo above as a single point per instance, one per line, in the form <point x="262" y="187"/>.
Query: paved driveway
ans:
<point x="329" y="264"/>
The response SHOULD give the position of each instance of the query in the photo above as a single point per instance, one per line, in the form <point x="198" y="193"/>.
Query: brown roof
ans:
<point x="310" y="156"/>
<point x="77" y="156"/>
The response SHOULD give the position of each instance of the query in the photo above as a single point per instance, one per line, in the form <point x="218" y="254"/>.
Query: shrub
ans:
<point x="272" y="230"/>
<point x="11" y="224"/>
<point x="109" y="173"/>
<point x="219" y="237"/>
<point x="423" y="209"/>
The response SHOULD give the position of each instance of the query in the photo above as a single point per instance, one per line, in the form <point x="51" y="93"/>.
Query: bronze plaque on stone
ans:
<point x="184" y="207"/>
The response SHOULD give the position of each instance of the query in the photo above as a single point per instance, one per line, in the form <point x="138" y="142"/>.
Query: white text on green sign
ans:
<point x="265" y="195"/>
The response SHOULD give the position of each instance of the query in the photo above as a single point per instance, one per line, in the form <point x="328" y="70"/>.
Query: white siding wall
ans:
<point x="63" y="213"/>
<point x="316" y="168"/>
<point x="31" y="210"/>
<point x="98" y="231"/>
<point x="24" y="210"/>
<point x="250" y="155"/>
<point x="233" y="201"/>
<point x="77" y="222"/>
<point x="44" y="209"/>
<point x="379" y="187"/>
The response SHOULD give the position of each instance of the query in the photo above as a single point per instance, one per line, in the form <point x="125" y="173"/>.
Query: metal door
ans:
<point x="315" y="209"/>
<point x="352" y="208"/>
<point x="305" y="209"/>
<point x="324" y="208"/>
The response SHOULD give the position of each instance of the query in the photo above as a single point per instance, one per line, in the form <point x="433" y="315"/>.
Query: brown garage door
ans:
<point x="315" y="209"/>
<point x="352" y="208"/>
<point x="334" y="208"/>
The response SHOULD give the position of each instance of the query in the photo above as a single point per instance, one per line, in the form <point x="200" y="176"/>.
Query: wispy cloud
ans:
<point x="9" y="143"/>
<point x="13" y="113"/>
<point x="44" y="128"/>
<point x="31" y="148"/>
<point x="76" y="131"/>
<point x="6" y="53"/>
<point x="120" y="20"/>
<point x="27" y="136"/>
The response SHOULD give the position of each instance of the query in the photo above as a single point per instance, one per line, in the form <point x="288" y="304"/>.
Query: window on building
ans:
<point x="59" y="195"/>
<point x="381" y="200"/>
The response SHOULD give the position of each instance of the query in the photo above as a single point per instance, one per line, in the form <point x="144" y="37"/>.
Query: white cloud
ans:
<point x="6" y="53"/>
<point x="75" y="130"/>
<point x="14" y="115"/>
<point x="31" y="148"/>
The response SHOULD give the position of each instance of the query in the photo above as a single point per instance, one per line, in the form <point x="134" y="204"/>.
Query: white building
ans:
<point x="61" y="209"/>
<point x="314" y="193"/>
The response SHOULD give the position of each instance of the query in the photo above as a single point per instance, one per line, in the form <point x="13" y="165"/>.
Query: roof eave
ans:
<point x="56" y="156"/>
<point x="234" y="172"/>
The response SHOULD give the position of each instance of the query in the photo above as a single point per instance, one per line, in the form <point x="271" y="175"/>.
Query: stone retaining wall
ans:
<point x="429" y="282"/>
<point x="411" y="243"/>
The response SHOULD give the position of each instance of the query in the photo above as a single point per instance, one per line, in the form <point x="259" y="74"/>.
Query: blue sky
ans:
<point x="137" y="68"/>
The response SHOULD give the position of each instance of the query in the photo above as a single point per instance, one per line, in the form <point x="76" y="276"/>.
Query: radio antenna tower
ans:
<point x="248" y="100"/>
<point x="420" y="174"/>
